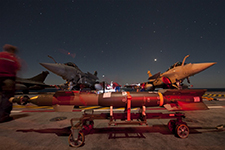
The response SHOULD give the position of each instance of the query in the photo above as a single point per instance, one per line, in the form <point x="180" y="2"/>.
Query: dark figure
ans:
<point x="9" y="65"/>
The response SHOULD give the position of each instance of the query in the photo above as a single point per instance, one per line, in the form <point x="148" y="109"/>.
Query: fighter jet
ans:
<point x="34" y="83"/>
<point x="175" y="75"/>
<point x="72" y="74"/>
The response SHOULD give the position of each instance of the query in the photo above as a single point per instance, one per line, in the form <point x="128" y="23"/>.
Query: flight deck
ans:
<point x="41" y="128"/>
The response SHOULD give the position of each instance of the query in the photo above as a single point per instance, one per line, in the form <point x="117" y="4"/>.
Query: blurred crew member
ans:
<point x="9" y="65"/>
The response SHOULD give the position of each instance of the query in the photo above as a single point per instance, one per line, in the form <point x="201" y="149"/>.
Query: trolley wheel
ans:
<point x="182" y="131"/>
<point x="78" y="142"/>
<point x="171" y="125"/>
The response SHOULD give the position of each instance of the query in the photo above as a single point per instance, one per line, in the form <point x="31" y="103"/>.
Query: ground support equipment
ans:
<point x="83" y="125"/>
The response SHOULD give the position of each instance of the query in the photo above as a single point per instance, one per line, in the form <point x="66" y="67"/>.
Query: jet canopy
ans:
<point x="176" y="65"/>
<point x="72" y="65"/>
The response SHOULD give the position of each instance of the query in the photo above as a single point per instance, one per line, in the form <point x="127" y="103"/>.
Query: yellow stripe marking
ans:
<point x="35" y="97"/>
<point x="40" y="107"/>
<point x="104" y="108"/>
<point x="94" y="107"/>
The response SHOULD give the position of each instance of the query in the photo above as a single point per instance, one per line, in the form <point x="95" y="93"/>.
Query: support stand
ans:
<point x="82" y="126"/>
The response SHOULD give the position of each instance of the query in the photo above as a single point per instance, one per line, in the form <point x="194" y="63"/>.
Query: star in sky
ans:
<point x="117" y="38"/>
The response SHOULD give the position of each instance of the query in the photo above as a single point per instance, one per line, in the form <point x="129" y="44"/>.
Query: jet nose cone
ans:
<point x="50" y="66"/>
<point x="204" y="66"/>
<point x="210" y="64"/>
<point x="201" y="66"/>
<point x="55" y="68"/>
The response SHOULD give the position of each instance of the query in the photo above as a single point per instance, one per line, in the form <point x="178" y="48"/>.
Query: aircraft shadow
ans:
<point x="18" y="116"/>
<point x="124" y="132"/>
<point x="57" y="131"/>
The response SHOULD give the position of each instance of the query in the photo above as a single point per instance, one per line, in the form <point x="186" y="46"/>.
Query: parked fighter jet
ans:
<point x="175" y="75"/>
<point x="72" y="74"/>
<point x="34" y="83"/>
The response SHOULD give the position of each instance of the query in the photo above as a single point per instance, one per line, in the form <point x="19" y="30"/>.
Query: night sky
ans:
<point x="118" y="38"/>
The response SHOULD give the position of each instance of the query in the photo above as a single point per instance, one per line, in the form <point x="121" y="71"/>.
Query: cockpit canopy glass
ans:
<point x="176" y="64"/>
<point x="72" y="65"/>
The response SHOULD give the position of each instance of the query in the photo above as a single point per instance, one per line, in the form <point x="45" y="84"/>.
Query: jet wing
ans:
<point x="155" y="76"/>
<point x="29" y="82"/>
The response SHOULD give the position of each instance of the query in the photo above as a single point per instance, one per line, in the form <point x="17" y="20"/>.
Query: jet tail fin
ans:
<point x="40" y="77"/>
<point x="96" y="73"/>
<point x="93" y="76"/>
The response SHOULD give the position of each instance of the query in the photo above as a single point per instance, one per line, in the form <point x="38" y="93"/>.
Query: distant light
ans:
<point x="155" y="59"/>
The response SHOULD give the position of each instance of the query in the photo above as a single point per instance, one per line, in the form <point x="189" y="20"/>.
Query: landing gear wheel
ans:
<point x="78" y="142"/>
<point x="182" y="131"/>
<point x="171" y="125"/>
